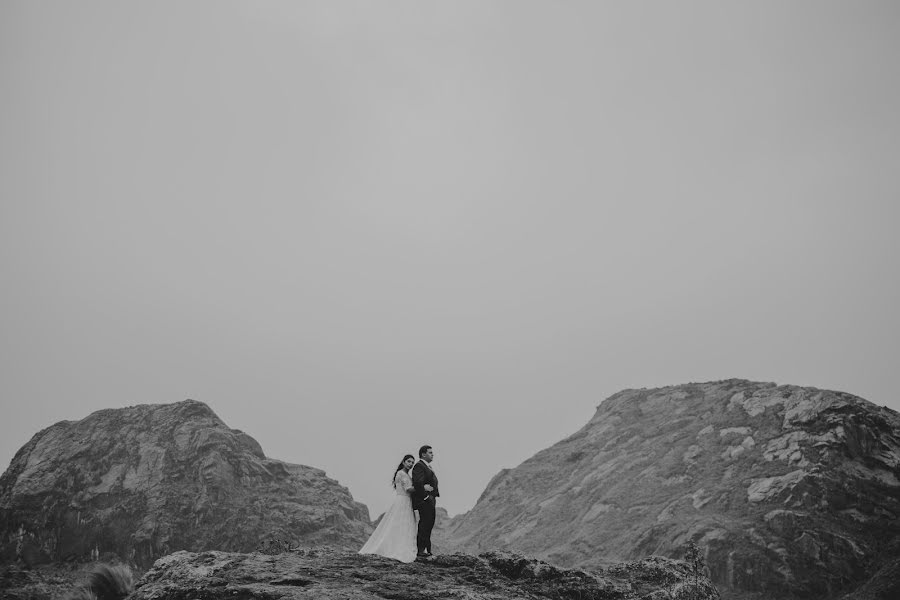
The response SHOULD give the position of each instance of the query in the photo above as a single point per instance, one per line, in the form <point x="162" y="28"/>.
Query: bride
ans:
<point x="395" y="536"/>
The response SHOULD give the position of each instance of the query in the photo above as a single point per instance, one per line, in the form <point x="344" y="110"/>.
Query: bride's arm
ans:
<point x="407" y="482"/>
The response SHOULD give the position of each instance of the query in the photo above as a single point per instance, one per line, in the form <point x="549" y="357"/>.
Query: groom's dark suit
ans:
<point x="424" y="502"/>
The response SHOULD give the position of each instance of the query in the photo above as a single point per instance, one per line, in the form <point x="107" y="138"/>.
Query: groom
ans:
<point x="424" y="499"/>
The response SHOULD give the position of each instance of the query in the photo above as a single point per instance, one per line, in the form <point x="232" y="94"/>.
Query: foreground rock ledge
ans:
<point x="326" y="573"/>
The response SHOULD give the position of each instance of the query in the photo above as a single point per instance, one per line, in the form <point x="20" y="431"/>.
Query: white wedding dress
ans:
<point x="395" y="536"/>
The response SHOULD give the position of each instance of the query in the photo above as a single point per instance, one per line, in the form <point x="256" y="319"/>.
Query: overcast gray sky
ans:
<point x="355" y="227"/>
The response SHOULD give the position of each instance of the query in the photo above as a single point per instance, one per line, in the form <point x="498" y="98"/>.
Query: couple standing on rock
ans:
<point x="416" y="489"/>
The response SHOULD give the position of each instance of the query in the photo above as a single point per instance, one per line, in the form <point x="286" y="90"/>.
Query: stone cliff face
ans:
<point x="794" y="492"/>
<point x="144" y="481"/>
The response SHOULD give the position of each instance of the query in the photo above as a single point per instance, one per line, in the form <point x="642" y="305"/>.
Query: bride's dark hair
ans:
<point x="400" y="466"/>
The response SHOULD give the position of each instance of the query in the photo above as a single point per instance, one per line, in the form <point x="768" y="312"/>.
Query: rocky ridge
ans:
<point x="324" y="573"/>
<point x="144" y="481"/>
<point x="794" y="492"/>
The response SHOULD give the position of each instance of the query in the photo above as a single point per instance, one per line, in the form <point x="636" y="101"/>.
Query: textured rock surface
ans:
<point x="144" y="481"/>
<point x="884" y="585"/>
<point x="322" y="573"/>
<point x="40" y="583"/>
<point x="793" y="491"/>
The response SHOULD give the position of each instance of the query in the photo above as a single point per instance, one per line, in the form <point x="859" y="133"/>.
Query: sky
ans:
<point x="352" y="228"/>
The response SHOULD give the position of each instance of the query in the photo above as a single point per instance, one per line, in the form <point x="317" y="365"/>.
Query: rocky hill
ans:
<point x="323" y="574"/>
<point x="144" y="481"/>
<point x="793" y="492"/>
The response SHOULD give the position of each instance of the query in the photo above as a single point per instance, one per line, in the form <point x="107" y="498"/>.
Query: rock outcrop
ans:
<point x="323" y="574"/>
<point x="144" y="481"/>
<point x="793" y="492"/>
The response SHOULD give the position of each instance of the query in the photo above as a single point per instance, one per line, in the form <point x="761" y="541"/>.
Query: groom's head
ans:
<point x="426" y="453"/>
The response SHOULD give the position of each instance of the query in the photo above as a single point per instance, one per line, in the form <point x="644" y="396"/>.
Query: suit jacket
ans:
<point x="422" y="474"/>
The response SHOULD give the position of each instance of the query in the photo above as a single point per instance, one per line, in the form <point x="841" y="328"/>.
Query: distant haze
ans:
<point x="352" y="227"/>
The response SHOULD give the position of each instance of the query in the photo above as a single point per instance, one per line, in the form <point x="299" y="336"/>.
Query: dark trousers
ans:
<point x="426" y="524"/>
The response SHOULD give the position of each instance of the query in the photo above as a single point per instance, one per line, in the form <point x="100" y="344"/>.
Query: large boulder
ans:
<point x="144" y="481"/>
<point x="793" y="492"/>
